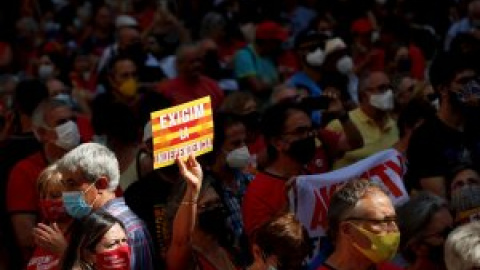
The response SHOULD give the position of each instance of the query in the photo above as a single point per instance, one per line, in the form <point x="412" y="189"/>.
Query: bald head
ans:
<point x="189" y="60"/>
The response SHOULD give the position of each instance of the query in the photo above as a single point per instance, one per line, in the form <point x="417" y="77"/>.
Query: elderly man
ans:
<point x="462" y="249"/>
<point x="190" y="84"/>
<point x="362" y="224"/>
<point x="56" y="129"/>
<point x="91" y="176"/>
<point x="372" y="118"/>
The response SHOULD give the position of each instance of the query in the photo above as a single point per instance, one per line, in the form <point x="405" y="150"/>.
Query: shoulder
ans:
<point x="34" y="161"/>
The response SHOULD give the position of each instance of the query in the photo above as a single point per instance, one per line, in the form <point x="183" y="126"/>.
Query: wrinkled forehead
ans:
<point x="375" y="204"/>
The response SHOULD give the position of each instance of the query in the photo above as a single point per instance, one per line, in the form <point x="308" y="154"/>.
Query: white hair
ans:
<point x="38" y="116"/>
<point x="462" y="248"/>
<point x="93" y="160"/>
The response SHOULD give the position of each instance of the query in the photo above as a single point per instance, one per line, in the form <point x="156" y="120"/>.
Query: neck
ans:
<point x="342" y="259"/>
<point x="312" y="73"/>
<point x="223" y="172"/>
<point x="53" y="152"/>
<point x="103" y="199"/>
<point x="376" y="115"/>
<point x="25" y="123"/>
<point x="451" y="116"/>
<point x="285" y="167"/>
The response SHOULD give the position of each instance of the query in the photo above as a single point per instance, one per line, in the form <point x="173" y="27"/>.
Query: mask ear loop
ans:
<point x="96" y="196"/>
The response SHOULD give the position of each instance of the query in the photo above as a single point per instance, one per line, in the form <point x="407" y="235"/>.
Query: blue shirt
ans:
<point x="139" y="239"/>
<point x="301" y="80"/>
<point x="248" y="63"/>
<point x="462" y="26"/>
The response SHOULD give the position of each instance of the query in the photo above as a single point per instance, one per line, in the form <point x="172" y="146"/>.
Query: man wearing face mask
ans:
<point x="254" y="65"/>
<point x="291" y="143"/>
<point x="91" y="175"/>
<point x="231" y="158"/>
<point x="362" y="224"/>
<point x="310" y="48"/>
<point x="379" y="131"/>
<point x="55" y="127"/>
<point x="452" y="137"/>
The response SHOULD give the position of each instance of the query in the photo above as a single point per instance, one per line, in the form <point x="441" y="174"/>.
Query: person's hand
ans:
<point x="191" y="171"/>
<point x="335" y="106"/>
<point x="50" y="238"/>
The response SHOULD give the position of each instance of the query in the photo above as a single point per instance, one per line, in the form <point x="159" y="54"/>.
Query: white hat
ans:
<point x="334" y="44"/>
<point x="147" y="131"/>
<point x="125" y="21"/>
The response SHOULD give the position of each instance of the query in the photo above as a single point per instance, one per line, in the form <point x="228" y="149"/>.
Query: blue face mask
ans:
<point x="75" y="203"/>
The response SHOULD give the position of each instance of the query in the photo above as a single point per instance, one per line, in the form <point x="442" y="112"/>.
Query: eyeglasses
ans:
<point x="383" y="224"/>
<point x="302" y="132"/>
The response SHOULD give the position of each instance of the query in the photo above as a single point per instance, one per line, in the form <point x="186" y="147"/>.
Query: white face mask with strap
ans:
<point x="68" y="136"/>
<point x="238" y="158"/>
<point x="316" y="57"/>
<point x="384" y="101"/>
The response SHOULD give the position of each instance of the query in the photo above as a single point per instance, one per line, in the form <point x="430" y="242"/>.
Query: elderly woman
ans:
<point x="425" y="222"/>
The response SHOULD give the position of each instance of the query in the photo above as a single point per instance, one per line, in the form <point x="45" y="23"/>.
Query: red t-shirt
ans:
<point x="43" y="260"/>
<point x="322" y="162"/>
<point x="179" y="90"/>
<point x="382" y="266"/>
<point x="265" y="197"/>
<point x="22" y="184"/>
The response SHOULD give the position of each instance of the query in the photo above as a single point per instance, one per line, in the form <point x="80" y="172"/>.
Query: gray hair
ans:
<point x="344" y="201"/>
<point x="38" y="116"/>
<point x="462" y="248"/>
<point x="93" y="160"/>
<point x="415" y="215"/>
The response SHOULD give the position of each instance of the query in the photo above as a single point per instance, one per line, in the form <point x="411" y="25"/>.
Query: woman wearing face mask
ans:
<point x="100" y="243"/>
<point x="231" y="158"/>
<point x="280" y="244"/>
<point x="200" y="237"/>
<point x="463" y="184"/>
<point x="49" y="235"/>
<point x="424" y="222"/>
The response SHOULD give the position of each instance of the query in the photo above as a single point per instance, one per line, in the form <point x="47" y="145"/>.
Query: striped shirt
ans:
<point x="138" y="237"/>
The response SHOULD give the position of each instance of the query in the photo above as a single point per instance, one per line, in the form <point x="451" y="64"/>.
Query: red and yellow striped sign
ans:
<point x="182" y="130"/>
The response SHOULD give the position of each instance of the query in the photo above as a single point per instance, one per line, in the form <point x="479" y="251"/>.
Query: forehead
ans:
<point x="466" y="174"/>
<point x="115" y="232"/>
<point x="61" y="112"/>
<point x="465" y="73"/>
<point x="296" y="119"/>
<point x="440" y="220"/>
<point x="377" y="78"/>
<point x="375" y="205"/>
<point x="124" y="65"/>
<point x="235" y="130"/>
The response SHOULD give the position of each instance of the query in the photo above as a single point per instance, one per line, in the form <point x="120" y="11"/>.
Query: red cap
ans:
<point x="271" y="30"/>
<point x="362" y="26"/>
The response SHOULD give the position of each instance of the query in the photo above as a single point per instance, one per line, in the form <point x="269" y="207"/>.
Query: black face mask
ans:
<point x="302" y="150"/>
<point x="213" y="222"/>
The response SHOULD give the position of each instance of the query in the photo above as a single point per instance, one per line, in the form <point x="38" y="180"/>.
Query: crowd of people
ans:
<point x="298" y="87"/>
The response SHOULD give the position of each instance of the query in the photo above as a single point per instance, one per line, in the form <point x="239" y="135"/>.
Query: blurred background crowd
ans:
<point x="297" y="87"/>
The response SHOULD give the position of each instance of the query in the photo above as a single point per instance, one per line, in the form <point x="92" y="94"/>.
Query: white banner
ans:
<point x="310" y="195"/>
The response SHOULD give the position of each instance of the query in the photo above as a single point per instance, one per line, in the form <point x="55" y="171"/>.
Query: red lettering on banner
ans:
<point x="380" y="171"/>
<point x="322" y="200"/>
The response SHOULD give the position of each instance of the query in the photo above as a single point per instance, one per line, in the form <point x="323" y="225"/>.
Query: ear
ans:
<point x="257" y="252"/>
<point x="279" y="144"/>
<point x="89" y="257"/>
<point x="102" y="183"/>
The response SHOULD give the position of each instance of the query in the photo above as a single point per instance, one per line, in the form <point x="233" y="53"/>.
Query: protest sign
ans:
<point x="310" y="197"/>
<point x="182" y="130"/>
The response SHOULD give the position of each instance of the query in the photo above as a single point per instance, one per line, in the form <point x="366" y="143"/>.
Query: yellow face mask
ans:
<point x="129" y="88"/>
<point x="383" y="247"/>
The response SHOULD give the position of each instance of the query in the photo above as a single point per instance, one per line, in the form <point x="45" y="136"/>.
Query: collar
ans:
<point x="364" y="118"/>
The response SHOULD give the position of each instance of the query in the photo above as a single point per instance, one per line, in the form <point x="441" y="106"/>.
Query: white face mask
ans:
<point x="68" y="136"/>
<point x="384" y="102"/>
<point x="238" y="158"/>
<point x="316" y="58"/>
<point x="45" y="71"/>
<point x="345" y="65"/>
